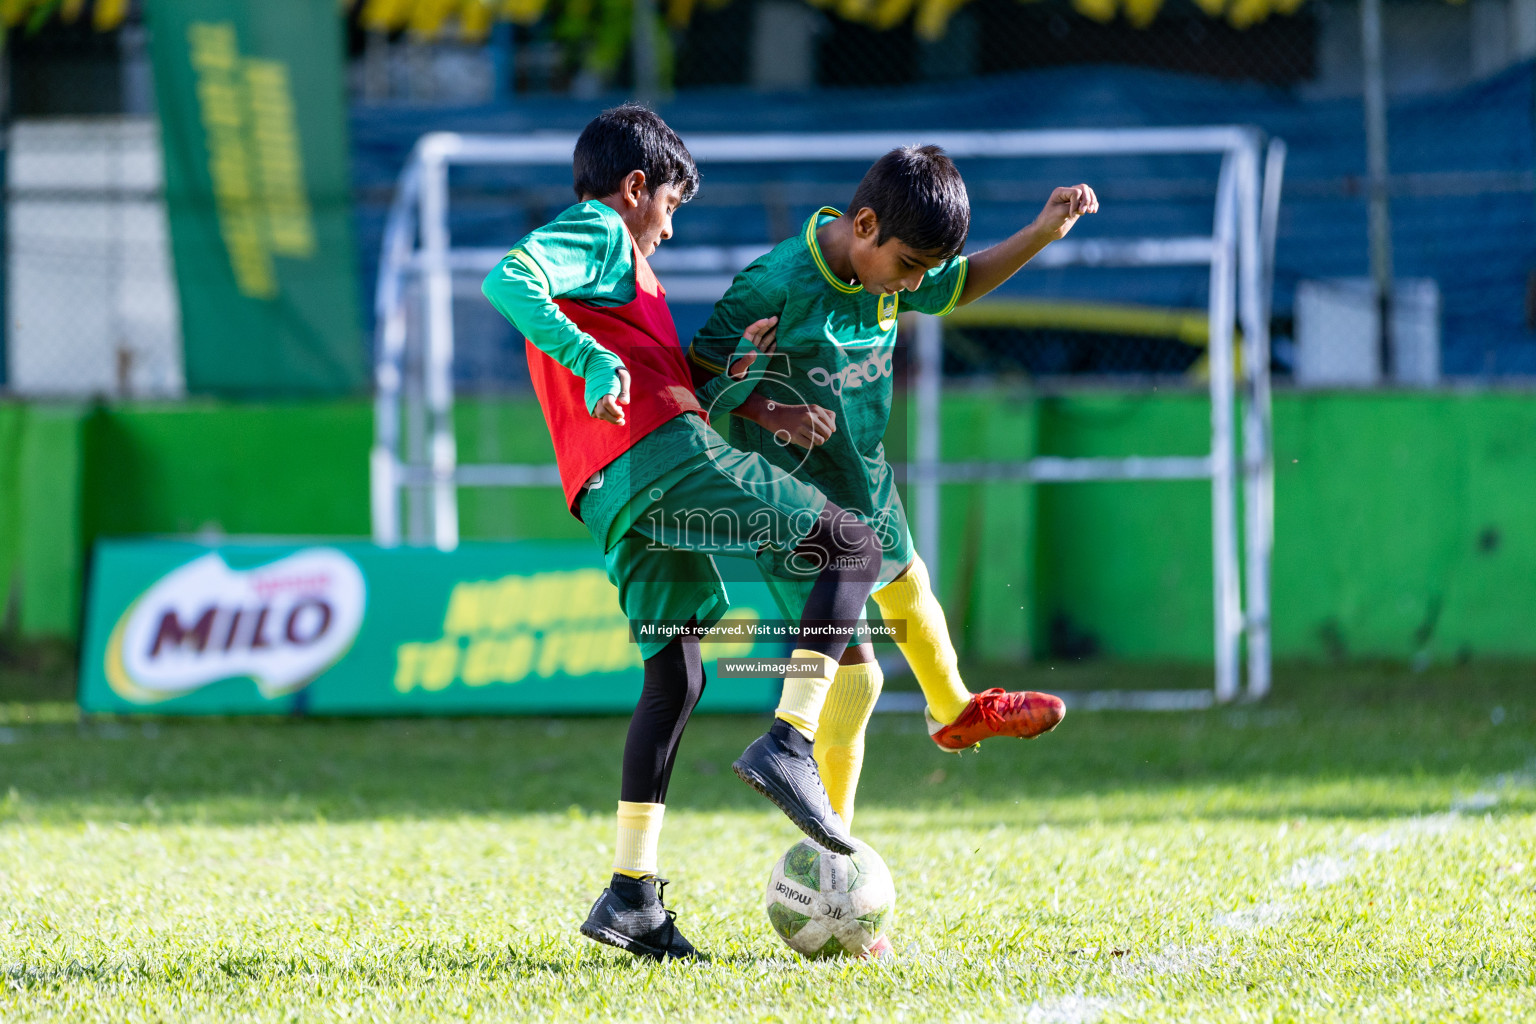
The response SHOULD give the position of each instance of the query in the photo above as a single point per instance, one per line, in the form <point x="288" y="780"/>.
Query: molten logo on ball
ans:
<point x="824" y="904"/>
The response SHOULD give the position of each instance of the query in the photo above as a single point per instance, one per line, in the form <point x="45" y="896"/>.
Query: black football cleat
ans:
<point x="779" y="765"/>
<point x="630" y="915"/>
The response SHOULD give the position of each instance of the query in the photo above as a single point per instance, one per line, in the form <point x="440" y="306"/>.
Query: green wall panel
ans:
<point x="1403" y="525"/>
<point x="488" y="431"/>
<point x="987" y="558"/>
<point x="280" y="468"/>
<point x="1488" y="607"/>
<point x="50" y="541"/>
<point x="1124" y="568"/>
<point x="12" y="424"/>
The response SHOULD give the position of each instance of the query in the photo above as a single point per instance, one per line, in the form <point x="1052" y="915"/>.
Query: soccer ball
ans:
<point x="825" y="905"/>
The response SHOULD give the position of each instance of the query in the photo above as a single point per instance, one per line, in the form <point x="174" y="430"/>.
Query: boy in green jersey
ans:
<point x="817" y="402"/>
<point x="639" y="465"/>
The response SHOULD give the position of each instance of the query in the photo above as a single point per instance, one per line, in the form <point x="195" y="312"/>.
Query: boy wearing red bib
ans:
<point x="660" y="491"/>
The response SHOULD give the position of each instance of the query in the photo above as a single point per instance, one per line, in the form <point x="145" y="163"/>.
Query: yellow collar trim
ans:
<point x="813" y="244"/>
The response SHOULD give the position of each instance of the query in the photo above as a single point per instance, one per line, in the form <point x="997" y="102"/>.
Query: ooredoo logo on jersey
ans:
<point x="876" y="365"/>
<point x="280" y="625"/>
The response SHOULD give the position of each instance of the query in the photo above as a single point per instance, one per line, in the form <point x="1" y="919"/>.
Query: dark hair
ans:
<point x="631" y="138"/>
<point x="919" y="198"/>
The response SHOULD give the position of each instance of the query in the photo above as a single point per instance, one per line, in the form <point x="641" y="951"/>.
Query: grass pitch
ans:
<point x="1360" y="847"/>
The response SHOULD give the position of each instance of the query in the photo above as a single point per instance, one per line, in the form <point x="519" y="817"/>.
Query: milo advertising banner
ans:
<point x="181" y="628"/>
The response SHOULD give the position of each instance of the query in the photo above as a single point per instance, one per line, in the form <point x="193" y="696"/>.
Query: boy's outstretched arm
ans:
<point x="804" y="425"/>
<point x="519" y="291"/>
<point x="992" y="266"/>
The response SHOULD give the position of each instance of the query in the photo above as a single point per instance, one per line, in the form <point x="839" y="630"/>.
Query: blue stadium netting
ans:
<point x="1471" y="225"/>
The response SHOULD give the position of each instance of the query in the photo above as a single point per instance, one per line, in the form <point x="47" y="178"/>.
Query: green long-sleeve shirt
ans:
<point x="586" y="253"/>
<point x="582" y="254"/>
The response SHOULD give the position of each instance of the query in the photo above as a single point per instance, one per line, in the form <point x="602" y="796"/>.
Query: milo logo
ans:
<point x="854" y="375"/>
<point x="279" y="624"/>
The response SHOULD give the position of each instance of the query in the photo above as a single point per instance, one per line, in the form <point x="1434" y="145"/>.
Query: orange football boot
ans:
<point x="881" y="950"/>
<point x="997" y="712"/>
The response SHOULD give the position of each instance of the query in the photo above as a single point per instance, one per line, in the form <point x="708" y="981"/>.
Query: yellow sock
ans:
<point x="800" y="704"/>
<point x="639" y="833"/>
<point x="927" y="646"/>
<point x="840" y="740"/>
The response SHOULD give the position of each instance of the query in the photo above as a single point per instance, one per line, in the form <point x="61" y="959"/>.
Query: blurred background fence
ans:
<point x="1457" y="76"/>
<point x="83" y="168"/>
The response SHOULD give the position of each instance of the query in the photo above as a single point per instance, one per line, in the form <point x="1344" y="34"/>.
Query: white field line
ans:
<point x="955" y="960"/>
<point x="1482" y="800"/>
<point x="1322" y="871"/>
<point x="1388" y="839"/>
<point x="1074" y="1009"/>
<point x="1306" y="875"/>
<point x="1492" y="791"/>
<point x="1172" y="961"/>
<point x="1317" y="872"/>
<point x="1260" y="915"/>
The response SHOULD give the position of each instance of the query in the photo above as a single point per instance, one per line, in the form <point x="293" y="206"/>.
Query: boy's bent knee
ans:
<point x="844" y="541"/>
<point x="854" y="536"/>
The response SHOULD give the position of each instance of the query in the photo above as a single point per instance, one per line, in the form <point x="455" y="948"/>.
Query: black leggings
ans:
<point x="674" y="682"/>
<point x="846" y="552"/>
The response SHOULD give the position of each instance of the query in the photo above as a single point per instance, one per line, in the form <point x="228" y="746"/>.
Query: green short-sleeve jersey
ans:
<point x="836" y="344"/>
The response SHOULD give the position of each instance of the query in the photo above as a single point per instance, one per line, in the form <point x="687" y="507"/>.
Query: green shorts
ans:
<point x="734" y="503"/>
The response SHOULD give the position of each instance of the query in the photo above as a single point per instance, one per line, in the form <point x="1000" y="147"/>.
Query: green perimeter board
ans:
<point x="253" y="123"/>
<point x="1403" y="523"/>
<point x="438" y="631"/>
<point x="277" y="469"/>
<point x="12" y="423"/>
<point x="49" y="538"/>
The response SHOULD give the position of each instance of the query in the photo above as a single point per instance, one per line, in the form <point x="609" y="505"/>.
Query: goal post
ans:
<point x="416" y="474"/>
